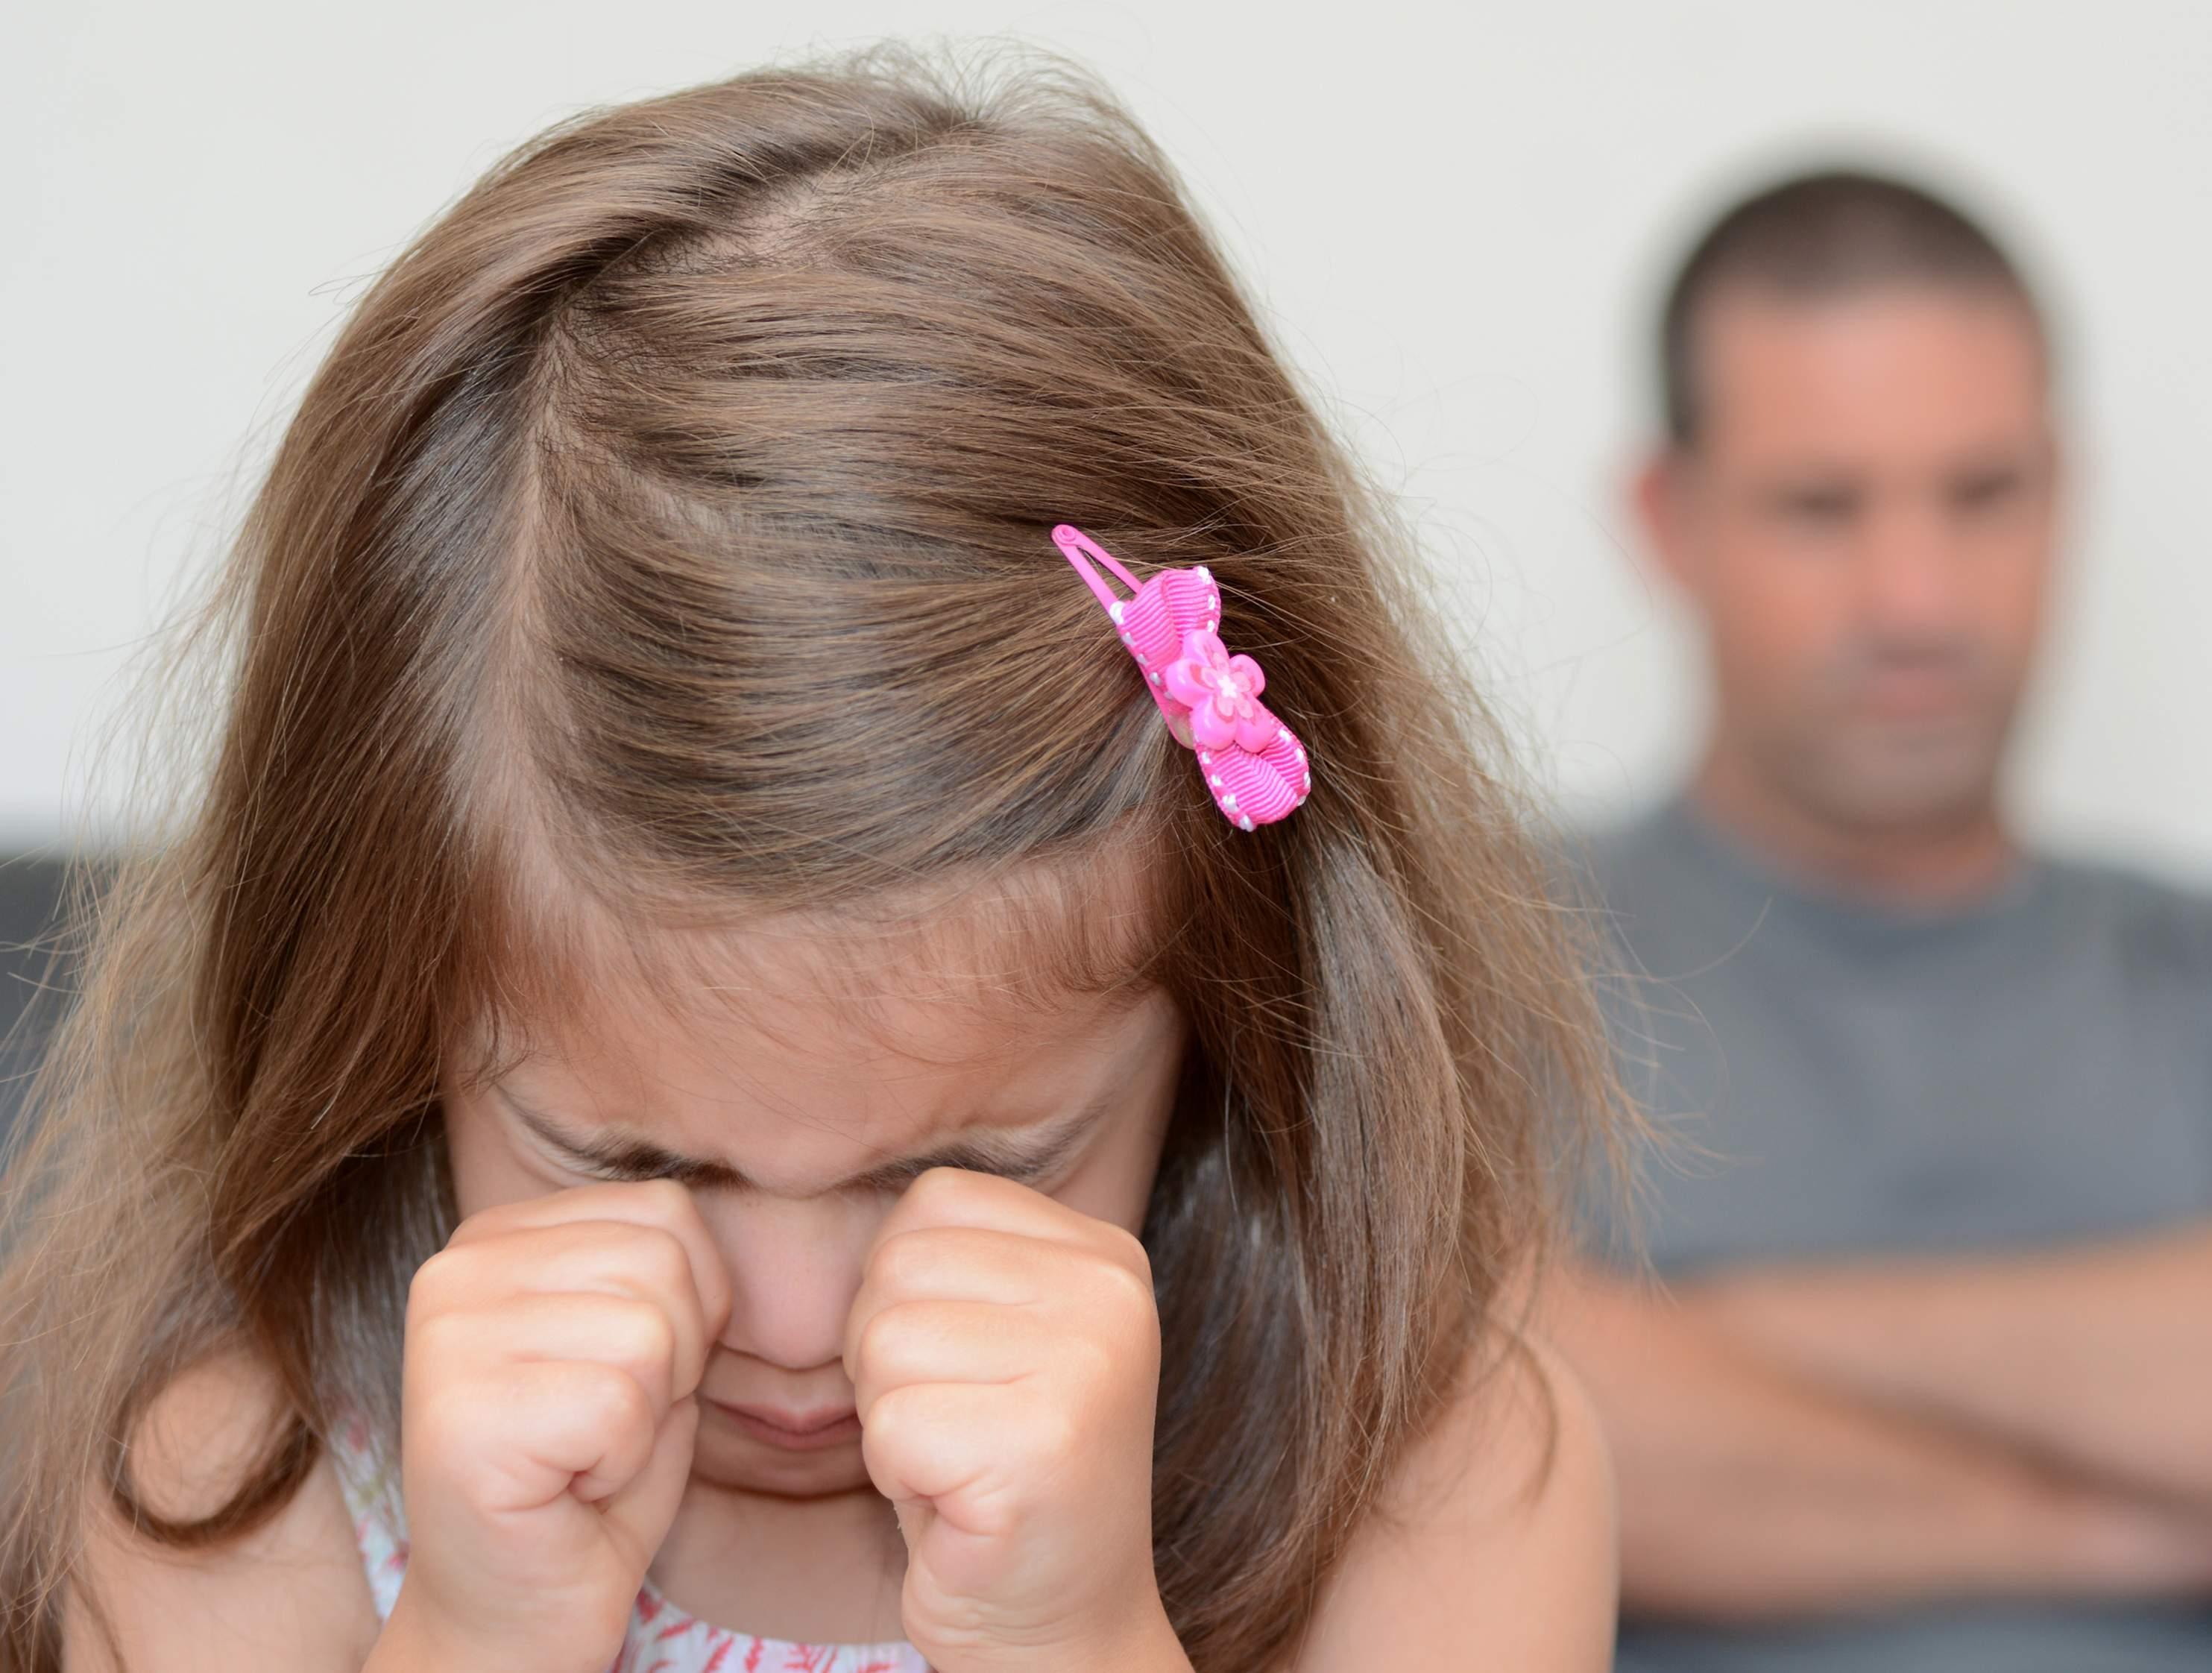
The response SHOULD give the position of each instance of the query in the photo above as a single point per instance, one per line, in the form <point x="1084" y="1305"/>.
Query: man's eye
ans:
<point x="1819" y="509"/>
<point x="1991" y="492"/>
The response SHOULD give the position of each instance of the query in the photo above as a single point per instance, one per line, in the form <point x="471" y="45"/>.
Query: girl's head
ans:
<point x="796" y="1073"/>
<point x="665" y="740"/>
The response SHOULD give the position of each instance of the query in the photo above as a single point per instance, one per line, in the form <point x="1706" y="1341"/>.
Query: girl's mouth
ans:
<point x="794" y="1431"/>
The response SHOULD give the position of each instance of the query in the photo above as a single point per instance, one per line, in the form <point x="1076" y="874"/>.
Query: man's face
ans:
<point x="1866" y="522"/>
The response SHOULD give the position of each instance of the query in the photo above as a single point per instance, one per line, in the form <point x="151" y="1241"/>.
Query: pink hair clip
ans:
<point x="1254" y="764"/>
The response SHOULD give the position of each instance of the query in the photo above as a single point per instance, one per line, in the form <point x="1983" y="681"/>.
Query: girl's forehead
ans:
<point x="815" y="1038"/>
<point x="916" y="1030"/>
<point x="951" y="968"/>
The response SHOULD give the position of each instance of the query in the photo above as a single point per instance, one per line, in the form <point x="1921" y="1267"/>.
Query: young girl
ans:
<point x="749" y="1059"/>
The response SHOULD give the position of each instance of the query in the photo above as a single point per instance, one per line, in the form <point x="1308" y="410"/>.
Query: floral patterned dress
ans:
<point x="661" y="1638"/>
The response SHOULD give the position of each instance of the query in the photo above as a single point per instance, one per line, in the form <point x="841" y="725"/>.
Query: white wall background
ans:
<point x="1456" y="214"/>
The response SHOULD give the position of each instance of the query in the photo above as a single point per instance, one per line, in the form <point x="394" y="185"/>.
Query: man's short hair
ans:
<point x="1818" y="236"/>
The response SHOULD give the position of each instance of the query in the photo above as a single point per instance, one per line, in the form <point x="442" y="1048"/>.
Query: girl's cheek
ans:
<point x="1113" y="1182"/>
<point x="1113" y="1194"/>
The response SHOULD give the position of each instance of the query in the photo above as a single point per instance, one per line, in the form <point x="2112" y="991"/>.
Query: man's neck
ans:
<point x="1952" y="862"/>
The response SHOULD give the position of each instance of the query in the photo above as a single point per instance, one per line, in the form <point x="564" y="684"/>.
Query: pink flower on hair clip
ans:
<point x="1222" y="692"/>
<point x="1254" y="768"/>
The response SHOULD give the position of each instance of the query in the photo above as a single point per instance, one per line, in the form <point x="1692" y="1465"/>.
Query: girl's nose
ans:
<point x="794" y="1269"/>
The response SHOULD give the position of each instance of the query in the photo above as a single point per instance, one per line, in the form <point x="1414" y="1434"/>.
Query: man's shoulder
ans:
<point x="1643" y="870"/>
<point x="1627" y="848"/>
<point x="2149" y="916"/>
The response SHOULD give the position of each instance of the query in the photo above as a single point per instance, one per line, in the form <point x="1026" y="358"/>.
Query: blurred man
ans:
<point x="1931" y="1383"/>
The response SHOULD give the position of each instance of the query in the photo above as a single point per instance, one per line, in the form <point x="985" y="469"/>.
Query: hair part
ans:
<point x="1821" y="237"/>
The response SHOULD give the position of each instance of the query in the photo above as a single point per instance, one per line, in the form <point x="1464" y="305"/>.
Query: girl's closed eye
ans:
<point x="1038" y="1153"/>
<point x="616" y="1158"/>
<point x="612" y="1156"/>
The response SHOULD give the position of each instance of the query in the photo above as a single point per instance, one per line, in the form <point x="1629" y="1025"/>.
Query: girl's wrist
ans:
<point x="1148" y="1644"/>
<point x="1139" y="1641"/>
<point x="404" y="1647"/>
<point x="1161" y="1651"/>
<point x="415" y="1640"/>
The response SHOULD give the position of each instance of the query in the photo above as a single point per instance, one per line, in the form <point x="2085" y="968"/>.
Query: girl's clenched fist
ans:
<point x="1004" y="1355"/>
<point x="554" y="1348"/>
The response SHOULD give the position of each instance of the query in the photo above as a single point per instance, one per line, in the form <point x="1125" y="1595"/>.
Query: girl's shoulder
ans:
<point x="1496" y="1543"/>
<point x="290" y="1595"/>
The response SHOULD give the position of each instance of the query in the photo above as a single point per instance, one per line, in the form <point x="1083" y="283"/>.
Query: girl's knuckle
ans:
<point x="613" y="1399"/>
<point x="647" y="1336"/>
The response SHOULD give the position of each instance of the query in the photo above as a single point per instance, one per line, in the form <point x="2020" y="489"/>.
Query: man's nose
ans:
<point x="1910" y="574"/>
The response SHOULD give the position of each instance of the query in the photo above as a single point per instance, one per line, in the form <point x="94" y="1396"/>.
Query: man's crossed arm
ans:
<point x="1802" y="1440"/>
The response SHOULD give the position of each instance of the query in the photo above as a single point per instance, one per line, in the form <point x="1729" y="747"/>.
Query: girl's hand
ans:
<point x="1004" y="1355"/>
<point x="553" y="1349"/>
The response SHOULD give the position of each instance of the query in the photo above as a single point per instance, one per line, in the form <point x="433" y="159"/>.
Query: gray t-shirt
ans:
<point x="1842" y="1080"/>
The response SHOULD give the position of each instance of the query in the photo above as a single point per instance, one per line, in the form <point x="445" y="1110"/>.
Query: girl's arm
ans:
<point x="290" y="1597"/>
<point x="1496" y="1550"/>
<point x="522" y="1397"/>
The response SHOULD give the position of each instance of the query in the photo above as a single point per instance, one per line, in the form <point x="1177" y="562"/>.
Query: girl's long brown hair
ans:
<point x="669" y="524"/>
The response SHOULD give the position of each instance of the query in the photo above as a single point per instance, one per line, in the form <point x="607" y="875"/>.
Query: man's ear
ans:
<point x="1662" y="489"/>
<point x="2059" y="461"/>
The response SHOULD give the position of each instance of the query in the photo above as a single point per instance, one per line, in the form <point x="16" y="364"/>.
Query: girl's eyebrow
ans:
<point x="616" y="1157"/>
